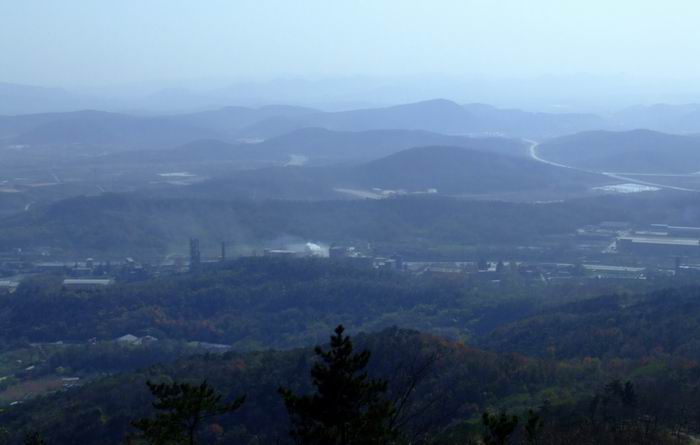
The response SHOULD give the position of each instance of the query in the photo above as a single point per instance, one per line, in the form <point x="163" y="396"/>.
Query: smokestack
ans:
<point x="195" y="256"/>
<point x="223" y="250"/>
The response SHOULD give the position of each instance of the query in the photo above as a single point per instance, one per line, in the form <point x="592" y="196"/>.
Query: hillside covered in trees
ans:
<point x="255" y="303"/>
<point x="440" y="392"/>
<point x="570" y="362"/>
<point x="131" y="225"/>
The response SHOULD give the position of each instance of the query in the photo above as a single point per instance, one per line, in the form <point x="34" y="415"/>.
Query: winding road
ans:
<point x="619" y="176"/>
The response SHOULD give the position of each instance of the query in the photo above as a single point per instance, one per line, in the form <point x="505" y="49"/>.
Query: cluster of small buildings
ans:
<point x="546" y="272"/>
<point x="604" y="231"/>
<point x="83" y="275"/>
<point x="366" y="258"/>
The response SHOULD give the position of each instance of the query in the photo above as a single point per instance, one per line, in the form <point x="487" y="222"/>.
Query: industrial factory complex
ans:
<point x="609" y="250"/>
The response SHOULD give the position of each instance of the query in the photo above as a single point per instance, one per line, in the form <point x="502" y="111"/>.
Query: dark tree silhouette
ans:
<point x="34" y="438"/>
<point x="182" y="409"/>
<point x="625" y="393"/>
<point x="533" y="427"/>
<point x="348" y="407"/>
<point x="499" y="427"/>
<point x="4" y="436"/>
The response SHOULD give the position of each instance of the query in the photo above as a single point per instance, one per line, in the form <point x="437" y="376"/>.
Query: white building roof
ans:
<point x="663" y="241"/>
<point x="87" y="281"/>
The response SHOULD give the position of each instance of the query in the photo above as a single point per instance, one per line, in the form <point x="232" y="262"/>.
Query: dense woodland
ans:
<point x="662" y="324"/>
<point x="258" y="302"/>
<point x="254" y="303"/>
<point x="565" y="361"/>
<point x="445" y="389"/>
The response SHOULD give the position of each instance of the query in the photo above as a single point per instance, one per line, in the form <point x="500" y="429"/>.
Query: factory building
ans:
<point x="86" y="284"/>
<point x="677" y="231"/>
<point x="615" y="272"/>
<point x="280" y="253"/>
<point x="659" y="245"/>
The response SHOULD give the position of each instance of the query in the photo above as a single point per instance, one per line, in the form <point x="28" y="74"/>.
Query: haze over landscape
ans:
<point x="163" y="54"/>
<point x="491" y="208"/>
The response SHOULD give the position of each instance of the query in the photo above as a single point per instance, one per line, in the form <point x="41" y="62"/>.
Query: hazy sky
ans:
<point x="92" y="42"/>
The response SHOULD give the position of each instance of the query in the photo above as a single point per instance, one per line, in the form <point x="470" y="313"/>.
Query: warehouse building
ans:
<point x="658" y="245"/>
<point x="86" y="284"/>
<point x="678" y="231"/>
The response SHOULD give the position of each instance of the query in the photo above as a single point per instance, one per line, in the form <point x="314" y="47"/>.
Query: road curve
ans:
<point x="619" y="176"/>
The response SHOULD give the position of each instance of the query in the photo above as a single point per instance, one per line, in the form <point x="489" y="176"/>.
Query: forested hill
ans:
<point x="455" y="171"/>
<point x="442" y="388"/>
<point x="460" y="382"/>
<point x="129" y="225"/>
<point x="316" y="145"/>
<point x="445" y="170"/>
<point x="256" y="303"/>
<point x="661" y="324"/>
<point x="132" y="226"/>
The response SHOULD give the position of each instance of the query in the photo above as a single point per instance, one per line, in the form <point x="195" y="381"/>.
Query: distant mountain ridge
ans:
<point x="681" y="119"/>
<point x="230" y="120"/>
<point x="373" y="144"/>
<point x="110" y="129"/>
<point x="439" y="116"/>
<point x="16" y="99"/>
<point x="24" y="99"/>
<point x="240" y="123"/>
